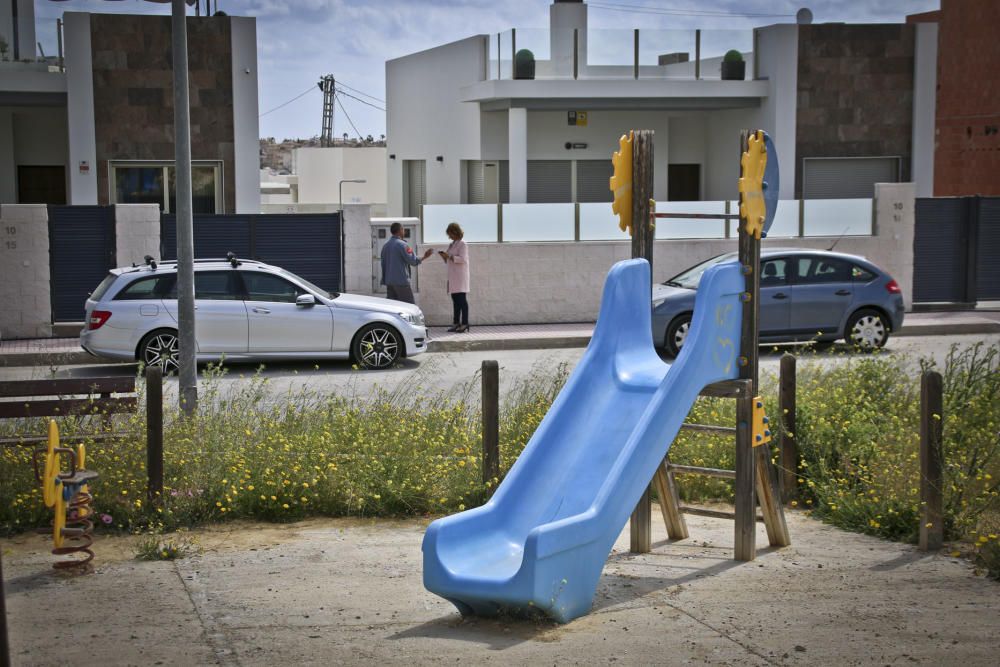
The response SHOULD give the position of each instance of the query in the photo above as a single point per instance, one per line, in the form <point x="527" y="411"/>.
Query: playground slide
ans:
<point x="540" y="543"/>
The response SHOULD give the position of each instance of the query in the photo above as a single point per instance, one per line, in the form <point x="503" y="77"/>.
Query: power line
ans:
<point x="360" y="92"/>
<point x="643" y="9"/>
<point x="283" y="104"/>
<point x="348" y="117"/>
<point x="374" y="106"/>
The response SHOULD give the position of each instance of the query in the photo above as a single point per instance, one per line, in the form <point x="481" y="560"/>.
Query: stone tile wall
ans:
<point x="133" y="93"/>
<point x="24" y="272"/>
<point x="137" y="233"/>
<point x="855" y="93"/>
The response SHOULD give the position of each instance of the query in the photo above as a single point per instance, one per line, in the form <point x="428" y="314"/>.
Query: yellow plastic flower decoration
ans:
<point x="751" y="184"/>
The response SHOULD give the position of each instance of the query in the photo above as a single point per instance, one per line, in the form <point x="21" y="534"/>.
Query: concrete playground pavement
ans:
<point x="330" y="591"/>
<point x="67" y="351"/>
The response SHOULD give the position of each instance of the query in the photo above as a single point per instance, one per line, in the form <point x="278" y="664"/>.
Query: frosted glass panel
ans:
<point x="478" y="221"/>
<point x="538" y="222"/>
<point x="786" y="220"/>
<point x="690" y="228"/>
<point x="835" y="217"/>
<point x="599" y="223"/>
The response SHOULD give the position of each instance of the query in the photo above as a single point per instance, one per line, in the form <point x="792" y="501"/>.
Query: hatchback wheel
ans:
<point x="676" y="334"/>
<point x="161" y="348"/>
<point x="377" y="346"/>
<point x="867" y="329"/>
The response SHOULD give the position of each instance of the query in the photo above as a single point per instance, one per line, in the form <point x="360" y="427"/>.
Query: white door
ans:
<point x="277" y="324"/>
<point x="220" y="318"/>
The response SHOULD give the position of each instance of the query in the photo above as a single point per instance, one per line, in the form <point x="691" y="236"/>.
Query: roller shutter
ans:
<point x="549" y="182"/>
<point x="593" y="181"/>
<point x="846" y="178"/>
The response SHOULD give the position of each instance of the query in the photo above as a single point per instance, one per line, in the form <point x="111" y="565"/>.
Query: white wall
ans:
<point x="426" y="118"/>
<point x="24" y="271"/>
<point x="137" y="233"/>
<point x="778" y="62"/>
<point x="319" y="171"/>
<point x="30" y="136"/>
<point x="246" y="136"/>
<point x="518" y="283"/>
<point x="80" y="109"/>
<point x="722" y="167"/>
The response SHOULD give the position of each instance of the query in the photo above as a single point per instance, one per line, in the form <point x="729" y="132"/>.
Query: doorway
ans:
<point x="41" y="185"/>
<point x="684" y="182"/>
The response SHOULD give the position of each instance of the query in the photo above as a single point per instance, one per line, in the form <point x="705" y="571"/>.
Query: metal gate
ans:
<point x="956" y="242"/>
<point x="81" y="251"/>
<point x="305" y="244"/>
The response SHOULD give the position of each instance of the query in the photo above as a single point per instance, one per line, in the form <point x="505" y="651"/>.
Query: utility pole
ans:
<point x="326" y="84"/>
<point x="188" y="371"/>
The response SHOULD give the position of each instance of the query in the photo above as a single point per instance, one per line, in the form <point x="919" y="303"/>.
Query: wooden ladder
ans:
<point x="754" y="476"/>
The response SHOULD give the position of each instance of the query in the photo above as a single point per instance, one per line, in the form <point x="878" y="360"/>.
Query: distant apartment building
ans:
<point x="320" y="175"/>
<point x="532" y="116"/>
<point x="96" y="126"/>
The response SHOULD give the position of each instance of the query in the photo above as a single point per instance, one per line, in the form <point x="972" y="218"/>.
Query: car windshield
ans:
<point x="322" y="292"/>
<point x="690" y="278"/>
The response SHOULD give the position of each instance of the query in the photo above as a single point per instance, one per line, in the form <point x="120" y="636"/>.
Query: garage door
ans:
<point x="846" y="178"/>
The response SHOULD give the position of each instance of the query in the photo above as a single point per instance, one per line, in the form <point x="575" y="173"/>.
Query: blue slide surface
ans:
<point x="541" y="541"/>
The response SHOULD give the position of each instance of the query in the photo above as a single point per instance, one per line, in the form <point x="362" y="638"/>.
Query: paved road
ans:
<point x="450" y="371"/>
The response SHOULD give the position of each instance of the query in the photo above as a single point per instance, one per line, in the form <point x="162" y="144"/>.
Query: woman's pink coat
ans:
<point x="458" y="267"/>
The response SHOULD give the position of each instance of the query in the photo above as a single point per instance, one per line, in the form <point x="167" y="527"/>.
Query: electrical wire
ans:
<point x="283" y="104"/>
<point x="346" y="116"/>
<point x="643" y="9"/>
<point x="374" y="106"/>
<point x="360" y="92"/>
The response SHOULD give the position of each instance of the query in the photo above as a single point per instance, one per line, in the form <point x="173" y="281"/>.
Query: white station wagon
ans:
<point x="245" y="310"/>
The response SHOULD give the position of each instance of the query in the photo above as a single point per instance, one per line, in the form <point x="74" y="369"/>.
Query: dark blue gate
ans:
<point x="306" y="244"/>
<point x="81" y="251"/>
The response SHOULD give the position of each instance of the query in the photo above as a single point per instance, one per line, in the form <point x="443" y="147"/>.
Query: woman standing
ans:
<point x="457" y="259"/>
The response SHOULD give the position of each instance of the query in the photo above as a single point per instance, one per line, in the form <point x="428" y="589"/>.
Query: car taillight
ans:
<point x="893" y="287"/>
<point x="98" y="318"/>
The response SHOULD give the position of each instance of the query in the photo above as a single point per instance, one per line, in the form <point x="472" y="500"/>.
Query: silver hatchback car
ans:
<point x="245" y="310"/>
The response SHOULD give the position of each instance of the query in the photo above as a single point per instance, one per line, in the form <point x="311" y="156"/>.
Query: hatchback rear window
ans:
<point x="862" y="275"/>
<point x="103" y="287"/>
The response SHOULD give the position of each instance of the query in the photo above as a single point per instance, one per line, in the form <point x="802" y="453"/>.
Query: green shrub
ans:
<point x="733" y="56"/>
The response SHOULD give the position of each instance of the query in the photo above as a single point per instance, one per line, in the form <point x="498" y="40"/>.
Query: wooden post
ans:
<point x="4" y="639"/>
<point x="770" y="503"/>
<point x="154" y="434"/>
<point x="789" y="445"/>
<point x="491" y="424"/>
<point x="931" y="462"/>
<point x="670" y="501"/>
<point x="640" y="525"/>
<point x="746" y="508"/>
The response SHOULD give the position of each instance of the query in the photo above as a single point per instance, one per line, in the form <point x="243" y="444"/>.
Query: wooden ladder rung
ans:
<point x="715" y="514"/>
<point x="708" y="428"/>
<point x="697" y="470"/>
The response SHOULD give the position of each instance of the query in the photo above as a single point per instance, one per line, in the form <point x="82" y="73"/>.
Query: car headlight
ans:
<point x="413" y="318"/>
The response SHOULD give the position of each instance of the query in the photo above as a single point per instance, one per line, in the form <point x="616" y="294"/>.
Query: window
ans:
<point x="266" y="287"/>
<point x="862" y="275"/>
<point x="214" y="286"/>
<point x="155" y="287"/>
<point x="156" y="183"/>
<point x="814" y="270"/>
<point x="773" y="273"/>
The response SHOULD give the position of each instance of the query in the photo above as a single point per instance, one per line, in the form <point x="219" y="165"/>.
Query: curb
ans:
<point x="81" y="357"/>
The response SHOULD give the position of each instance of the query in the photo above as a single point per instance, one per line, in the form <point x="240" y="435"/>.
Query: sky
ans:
<point x="299" y="41"/>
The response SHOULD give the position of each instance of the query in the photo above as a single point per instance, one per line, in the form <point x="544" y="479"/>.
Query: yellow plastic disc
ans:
<point x="51" y="466"/>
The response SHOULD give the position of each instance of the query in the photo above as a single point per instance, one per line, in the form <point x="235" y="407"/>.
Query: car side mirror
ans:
<point x="305" y="300"/>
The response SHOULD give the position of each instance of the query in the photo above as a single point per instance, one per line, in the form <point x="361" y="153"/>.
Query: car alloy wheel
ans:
<point x="867" y="330"/>
<point x="677" y="333"/>
<point x="378" y="346"/>
<point x="162" y="349"/>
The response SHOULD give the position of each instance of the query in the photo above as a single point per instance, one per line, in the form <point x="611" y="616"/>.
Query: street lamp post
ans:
<point x="343" y="251"/>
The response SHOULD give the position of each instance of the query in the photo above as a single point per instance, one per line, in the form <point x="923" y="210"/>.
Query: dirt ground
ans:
<point x="350" y="592"/>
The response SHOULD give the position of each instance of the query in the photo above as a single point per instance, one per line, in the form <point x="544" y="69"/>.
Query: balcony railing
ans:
<point x="616" y="54"/>
<point x="527" y="223"/>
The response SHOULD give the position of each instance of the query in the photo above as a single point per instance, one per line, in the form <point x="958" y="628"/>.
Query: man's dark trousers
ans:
<point x="400" y="293"/>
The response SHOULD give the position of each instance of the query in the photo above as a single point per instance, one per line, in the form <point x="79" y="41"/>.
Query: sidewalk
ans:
<point x="67" y="351"/>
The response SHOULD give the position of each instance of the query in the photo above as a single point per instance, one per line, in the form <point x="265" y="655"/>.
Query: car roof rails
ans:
<point x="231" y="256"/>
<point x="150" y="262"/>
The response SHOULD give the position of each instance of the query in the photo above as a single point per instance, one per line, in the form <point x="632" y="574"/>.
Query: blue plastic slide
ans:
<point x="540" y="543"/>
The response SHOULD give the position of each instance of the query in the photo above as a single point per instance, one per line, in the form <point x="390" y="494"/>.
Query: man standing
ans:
<point x="397" y="258"/>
